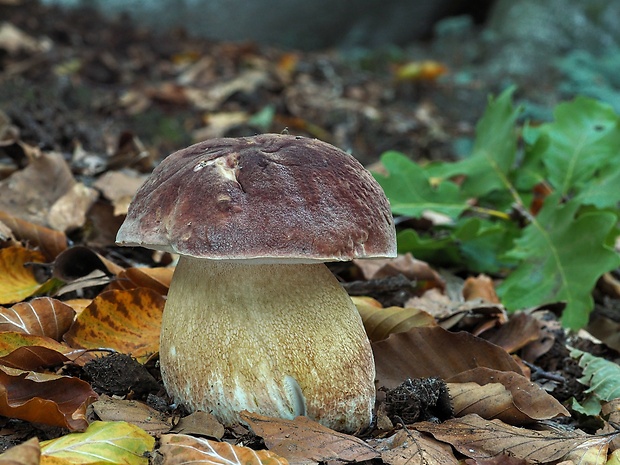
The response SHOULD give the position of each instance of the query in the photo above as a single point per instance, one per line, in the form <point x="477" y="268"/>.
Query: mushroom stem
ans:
<point x="277" y="339"/>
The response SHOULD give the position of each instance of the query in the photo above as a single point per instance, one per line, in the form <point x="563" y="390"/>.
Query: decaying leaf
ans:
<point x="180" y="449"/>
<point x="428" y="352"/>
<point x="302" y="440"/>
<point x="43" y="316"/>
<point x="520" y="330"/>
<point x="27" y="453"/>
<point x="69" y="211"/>
<point x="18" y="280"/>
<point x="51" y="399"/>
<point x="119" y="187"/>
<point x="410" y="447"/>
<point x="200" y="424"/>
<point x="480" y="287"/>
<point x="476" y="437"/>
<point x="103" y="442"/>
<point x="32" y="352"/>
<point x="125" y="320"/>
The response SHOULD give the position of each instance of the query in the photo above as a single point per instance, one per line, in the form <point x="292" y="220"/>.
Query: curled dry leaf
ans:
<point x="27" y="453"/>
<point x="127" y="321"/>
<point x="179" y="449"/>
<point x="428" y="352"/>
<point x="119" y="187"/>
<point x="381" y="322"/>
<point x="51" y="400"/>
<point x="157" y="279"/>
<point x="42" y="316"/>
<point x="415" y="270"/>
<point x="526" y="398"/>
<point x="30" y="352"/>
<point x="302" y="440"/>
<point x="69" y="211"/>
<point x="18" y="280"/>
<point x="410" y="447"/>
<point x="49" y="241"/>
<point x="520" y="330"/>
<point x="476" y="437"/>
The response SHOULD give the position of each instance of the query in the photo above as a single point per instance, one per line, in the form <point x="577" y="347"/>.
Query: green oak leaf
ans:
<point x="410" y="192"/>
<point x="561" y="255"/>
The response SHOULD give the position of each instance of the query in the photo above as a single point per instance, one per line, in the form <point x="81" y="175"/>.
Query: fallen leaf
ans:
<point x="32" y="352"/>
<point x="49" y="241"/>
<point x="69" y="211"/>
<point x="180" y="449"/>
<point x="131" y="411"/>
<point x="526" y="397"/>
<point x="480" y="287"/>
<point x="42" y="316"/>
<point x="410" y="447"/>
<point x="127" y="321"/>
<point x="305" y="441"/>
<point x="119" y="187"/>
<point x="27" y="453"/>
<point x="103" y="442"/>
<point x="476" y="437"/>
<point x="51" y="399"/>
<point x="157" y="279"/>
<point x="415" y="270"/>
<point x="200" y="424"/>
<point x="520" y="330"/>
<point x="18" y="280"/>
<point x="381" y="322"/>
<point x="428" y="352"/>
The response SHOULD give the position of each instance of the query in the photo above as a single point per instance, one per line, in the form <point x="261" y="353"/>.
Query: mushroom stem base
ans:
<point x="277" y="339"/>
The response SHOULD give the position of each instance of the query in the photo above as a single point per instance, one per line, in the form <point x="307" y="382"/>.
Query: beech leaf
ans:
<point x="180" y="449"/>
<point x="42" y="316"/>
<point x="381" y="322"/>
<point x="478" y="438"/>
<point x="26" y="453"/>
<point x="18" y="281"/>
<point x="103" y="442"/>
<point x="410" y="447"/>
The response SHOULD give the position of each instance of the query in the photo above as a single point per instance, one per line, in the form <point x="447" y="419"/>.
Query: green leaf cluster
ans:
<point x="492" y="217"/>
<point x="602" y="378"/>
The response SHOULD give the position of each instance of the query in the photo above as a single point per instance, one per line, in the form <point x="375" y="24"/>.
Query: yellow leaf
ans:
<point x="102" y="443"/>
<point x="128" y="321"/>
<point x="181" y="449"/>
<point x="18" y="281"/>
<point x="381" y="322"/>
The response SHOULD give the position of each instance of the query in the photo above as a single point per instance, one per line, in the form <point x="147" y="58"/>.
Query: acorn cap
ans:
<point x="271" y="197"/>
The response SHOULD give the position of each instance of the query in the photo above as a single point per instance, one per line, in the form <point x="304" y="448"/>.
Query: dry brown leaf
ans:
<point x="49" y="241"/>
<point x="480" y="287"/>
<point x="128" y="321"/>
<point x="48" y="399"/>
<point x="30" y="193"/>
<point x="381" y="322"/>
<point x="476" y="437"/>
<point x="18" y="280"/>
<point x="69" y="211"/>
<point x="147" y="418"/>
<point x="157" y="279"/>
<point x="415" y="270"/>
<point x="526" y="397"/>
<point x="119" y="187"/>
<point x="30" y="352"/>
<point x="520" y="330"/>
<point x="200" y="424"/>
<point x="27" y="453"/>
<point x="428" y="352"/>
<point x="42" y="316"/>
<point x="490" y="401"/>
<point x="501" y="459"/>
<point x="305" y="441"/>
<point x="410" y="447"/>
<point x="180" y="449"/>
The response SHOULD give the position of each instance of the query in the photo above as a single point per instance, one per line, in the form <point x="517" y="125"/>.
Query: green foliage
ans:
<point x="602" y="378"/>
<point x="551" y="248"/>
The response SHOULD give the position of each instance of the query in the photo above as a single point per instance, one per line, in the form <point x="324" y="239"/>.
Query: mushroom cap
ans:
<point x="271" y="198"/>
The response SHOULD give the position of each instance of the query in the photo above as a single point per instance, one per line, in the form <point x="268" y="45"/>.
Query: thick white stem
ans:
<point x="277" y="339"/>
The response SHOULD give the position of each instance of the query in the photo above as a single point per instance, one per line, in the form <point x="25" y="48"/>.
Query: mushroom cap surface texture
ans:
<point x="269" y="197"/>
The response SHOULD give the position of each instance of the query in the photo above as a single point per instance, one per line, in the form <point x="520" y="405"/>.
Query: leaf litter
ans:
<point x="75" y="309"/>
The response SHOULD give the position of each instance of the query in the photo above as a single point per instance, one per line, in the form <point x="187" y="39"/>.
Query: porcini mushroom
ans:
<point x="254" y="319"/>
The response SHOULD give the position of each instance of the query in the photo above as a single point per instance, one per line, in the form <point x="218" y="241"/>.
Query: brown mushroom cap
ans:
<point x="274" y="197"/>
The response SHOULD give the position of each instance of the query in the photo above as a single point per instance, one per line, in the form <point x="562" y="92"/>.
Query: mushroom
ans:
<point x="254" y="319"/>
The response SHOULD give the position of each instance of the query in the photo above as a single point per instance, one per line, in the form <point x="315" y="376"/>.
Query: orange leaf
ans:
<point x="18" y="281"/>
<point x="30" y="352"/>
<point x="43" y="316"/>
<point x="128" y="321"/>
<point x="180" y="449"/>
<point x="51" y="400"/>
<point x="157" y="279"/>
